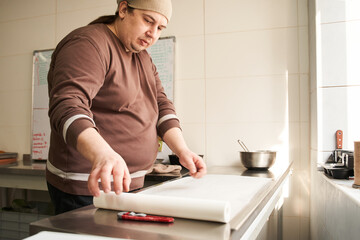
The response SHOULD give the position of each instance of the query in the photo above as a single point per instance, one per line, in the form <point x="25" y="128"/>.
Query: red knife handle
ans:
<point x="148" y="218"/>
<point x="339" y="139"/>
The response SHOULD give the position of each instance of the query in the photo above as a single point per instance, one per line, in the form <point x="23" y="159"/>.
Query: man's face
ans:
<point x="140" y="29"/>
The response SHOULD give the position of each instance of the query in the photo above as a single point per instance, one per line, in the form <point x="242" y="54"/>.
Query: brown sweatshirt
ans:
<point x="94" y="82"/>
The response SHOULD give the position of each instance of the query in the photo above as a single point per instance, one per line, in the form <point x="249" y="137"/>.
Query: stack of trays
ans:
<point x="8" y="158"/>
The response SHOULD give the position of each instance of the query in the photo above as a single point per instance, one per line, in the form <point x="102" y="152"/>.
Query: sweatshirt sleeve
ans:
<point x="76" y="74"/>
<point x="167" y="115"/>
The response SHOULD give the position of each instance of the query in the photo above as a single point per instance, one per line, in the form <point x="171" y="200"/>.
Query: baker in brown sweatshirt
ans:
<point x="107" y="107"/>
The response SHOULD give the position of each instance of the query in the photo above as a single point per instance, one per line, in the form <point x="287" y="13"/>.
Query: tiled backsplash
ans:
<point x="339" y="73"/>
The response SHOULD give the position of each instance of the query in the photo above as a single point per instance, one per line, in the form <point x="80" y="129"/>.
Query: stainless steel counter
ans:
<point x="23" y="177"/>
<point x="90" y="220"/>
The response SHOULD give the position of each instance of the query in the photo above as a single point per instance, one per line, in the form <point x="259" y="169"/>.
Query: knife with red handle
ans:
<point x="144" y="217"/>
<point x="339" y="139"/>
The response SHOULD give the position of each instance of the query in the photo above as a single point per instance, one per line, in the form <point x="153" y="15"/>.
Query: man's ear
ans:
<point x="123" y="7"/>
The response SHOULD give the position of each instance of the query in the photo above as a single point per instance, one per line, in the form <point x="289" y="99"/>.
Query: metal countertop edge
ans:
<point x="21" y="169"/>
<point x="241" y="228"/>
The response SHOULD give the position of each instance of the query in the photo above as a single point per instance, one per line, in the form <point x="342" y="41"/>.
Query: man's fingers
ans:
<point x="199" y="167"/>
<point x="105" y="175"/>
<point x="126" y="181"/>
<point x="192" y="168"/>
<point x="109" y="169"/>
<point x="93" y="184"/>
<point x="200" y="173"/>
<point x="118" y="175"/>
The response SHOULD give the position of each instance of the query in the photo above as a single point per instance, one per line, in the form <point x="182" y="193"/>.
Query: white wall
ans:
<point x="335" y="97"/>
<point x="242" y="71"/>
<point x="338" y="83"/>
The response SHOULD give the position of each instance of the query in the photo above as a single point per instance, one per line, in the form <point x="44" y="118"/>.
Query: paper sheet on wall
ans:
<point x="40" y="121"/>
<point x="212" y="198"/>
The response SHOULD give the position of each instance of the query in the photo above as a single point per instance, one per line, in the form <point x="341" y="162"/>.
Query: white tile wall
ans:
<point x="340" y="40"/>
<point x="68" y="21"/>
<point x="234" y="16"/>
<point x="294" y="93"/>
<point x="15" y="108"/>
<point x="13" y="79"/>
<point x="303" y="12"/>
<point x="16" y="137"/>
<point x="189" y="24"/>
<point x="303" y="49"/>
<point x="338" y="10"/>
<point x="233" y="102"/>
<point x="69" y="5"/>
<point x="313" y="120"/>
<point x="304" y="146"/>
<point x="189" y="54"/>
<point x="190" y="100"/>
<point x="304" y="86"/>
<point x="295" y="146"/>
<point x="265" y="52"/>
<point x="27" y="35"/>
<point x="340" y="110"/>
<point x="195" y="135"/>
<point x="23" y="9"/>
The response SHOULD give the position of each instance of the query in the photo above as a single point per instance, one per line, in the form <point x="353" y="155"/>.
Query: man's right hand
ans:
<point x="106" y="163"/>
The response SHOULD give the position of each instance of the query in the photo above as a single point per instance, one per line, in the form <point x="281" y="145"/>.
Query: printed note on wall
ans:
<point x="40" y="123"/>
<point x="41" y="134"/>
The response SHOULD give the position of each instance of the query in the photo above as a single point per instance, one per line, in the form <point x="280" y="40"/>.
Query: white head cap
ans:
<point x="163" y="7"/>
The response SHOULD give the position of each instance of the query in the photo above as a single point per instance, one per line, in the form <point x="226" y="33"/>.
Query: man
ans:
<point x="107" y="107"/>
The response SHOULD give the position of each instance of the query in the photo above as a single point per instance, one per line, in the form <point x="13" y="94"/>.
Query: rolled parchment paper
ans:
<point x="192" y="208"/>
<point x="356" y="165"/>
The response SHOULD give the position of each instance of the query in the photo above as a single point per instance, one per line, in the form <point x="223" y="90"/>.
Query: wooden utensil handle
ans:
<point x="339" y="139"/>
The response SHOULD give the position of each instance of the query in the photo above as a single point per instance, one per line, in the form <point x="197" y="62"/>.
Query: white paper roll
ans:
<point x="200" y="209"/>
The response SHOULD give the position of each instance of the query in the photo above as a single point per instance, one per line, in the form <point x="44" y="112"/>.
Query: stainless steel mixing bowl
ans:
<point x="258" y="160"/>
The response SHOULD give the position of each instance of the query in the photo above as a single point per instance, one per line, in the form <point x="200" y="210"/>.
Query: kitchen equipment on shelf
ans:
<point x="340" y="164"/>
<point x="8" y="158"/>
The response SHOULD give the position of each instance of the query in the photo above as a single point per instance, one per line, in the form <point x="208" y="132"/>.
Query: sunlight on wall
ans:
<point x="319" y="83"/>
<point x="353" y="72"/>
<point x="284" y="136"/>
